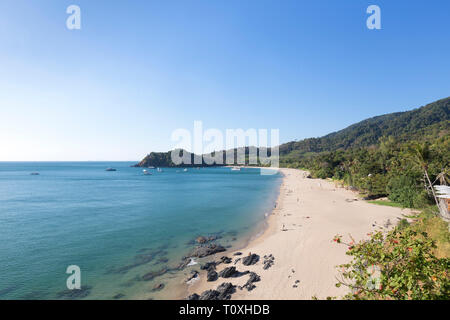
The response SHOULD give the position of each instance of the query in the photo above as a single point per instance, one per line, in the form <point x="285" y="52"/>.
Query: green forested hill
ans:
<point x="384" y="155"/>
<point x="380" y="156"/>
<point x="430" y="120"/>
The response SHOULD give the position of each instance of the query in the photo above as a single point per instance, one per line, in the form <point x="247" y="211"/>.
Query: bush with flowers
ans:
<point x="396" y="265"/>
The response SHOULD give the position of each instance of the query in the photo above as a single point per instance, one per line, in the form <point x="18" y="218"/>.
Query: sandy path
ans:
<point x="313" y="212"/>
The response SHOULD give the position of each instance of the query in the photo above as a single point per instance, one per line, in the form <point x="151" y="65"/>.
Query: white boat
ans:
<point x="185" y="169"/>
<point x="159" y="170"/>
<point x="151" y="167"/>
<point x="146" y="172"/>
<point x="235" y="169"/>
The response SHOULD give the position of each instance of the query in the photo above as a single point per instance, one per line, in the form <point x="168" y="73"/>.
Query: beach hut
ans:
<point x="443" y="195"/>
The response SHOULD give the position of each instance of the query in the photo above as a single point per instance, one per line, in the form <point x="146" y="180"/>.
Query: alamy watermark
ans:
<point x="74" y="280"/>
<point x="73" y="22"/>
<point x="234" y="147"/>
<point x="374" y="20"/>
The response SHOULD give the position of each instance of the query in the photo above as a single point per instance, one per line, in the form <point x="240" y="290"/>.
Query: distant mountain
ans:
<point x="432" y="120"/>
<point x="163" y="159"/>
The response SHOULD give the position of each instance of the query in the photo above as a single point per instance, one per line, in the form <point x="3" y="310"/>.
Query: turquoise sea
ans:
<point x="118" y="226"/>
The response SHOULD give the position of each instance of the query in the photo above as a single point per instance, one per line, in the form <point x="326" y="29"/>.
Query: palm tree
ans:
<point x="421" y="155"/>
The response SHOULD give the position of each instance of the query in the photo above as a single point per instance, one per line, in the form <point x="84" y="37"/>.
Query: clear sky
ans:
<point x="137" y="70"/>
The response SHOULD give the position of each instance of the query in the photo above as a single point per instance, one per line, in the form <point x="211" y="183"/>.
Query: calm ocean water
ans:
<point x="117" y="226"/>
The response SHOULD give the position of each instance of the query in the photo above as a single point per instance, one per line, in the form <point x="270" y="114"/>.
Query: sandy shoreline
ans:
<point x="312" y="212"/>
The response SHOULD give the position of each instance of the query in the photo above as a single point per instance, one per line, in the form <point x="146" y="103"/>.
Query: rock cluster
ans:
<point x="250" y="259"/>
<point x="193" y="296"/>
<point x="228" y="272"/>
<point x="223" y="292"/>
<point x="249" y="284"/>
<point x="194" y="274"/>
<point x="183" y="264"/>
<point x="209" y="266"/>
<point x="203" y="239"/>
<point x="212" y="275"/>
<point x="268" y="261"/>
<point x="206" y="250"/>
<point x="226" y="260"/>
<point x="83" y="292"/>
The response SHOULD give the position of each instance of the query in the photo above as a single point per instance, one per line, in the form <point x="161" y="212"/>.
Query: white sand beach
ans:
<point x="312" y="212"/>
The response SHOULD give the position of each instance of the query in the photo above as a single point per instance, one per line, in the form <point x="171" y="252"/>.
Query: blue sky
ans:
<point x="137" y="70"/>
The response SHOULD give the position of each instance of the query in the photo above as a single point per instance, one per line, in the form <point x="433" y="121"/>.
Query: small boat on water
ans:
<point x="159" y="170"/>
<point x="34" y="173"/>
<point x="110" y="169"/>
<point x="151" y="167"/>
<point x="235" y="169"/>
<point x="185" y="169"/>
<point x="146" y="172"/>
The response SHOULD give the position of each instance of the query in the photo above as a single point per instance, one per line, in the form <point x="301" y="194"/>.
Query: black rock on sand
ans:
<point x="268" y="261"/>
<point x="226" y="260"/>
<point x="207" y="250"/>
<point x="223" y="292"/>
<point x="249" y="284"/>
<point x="228" y="272"/>
<point x="212" y="275"/>
<point x="209" y="266"/>
<point x="250" y="259"/>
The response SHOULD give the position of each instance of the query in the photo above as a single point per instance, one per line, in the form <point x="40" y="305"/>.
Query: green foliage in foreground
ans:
<point x="399" y="265"/>
<point x="436" y="228"/>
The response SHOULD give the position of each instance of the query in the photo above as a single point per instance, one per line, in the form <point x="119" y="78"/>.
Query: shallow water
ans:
<point x="117" y="226"/>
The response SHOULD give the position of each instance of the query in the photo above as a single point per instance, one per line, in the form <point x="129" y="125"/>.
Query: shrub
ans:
<point x="321" y="174"/>
<point x="404" y="190"/>
<point x="399" y="265"/>
<point x="402" y="224"/>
